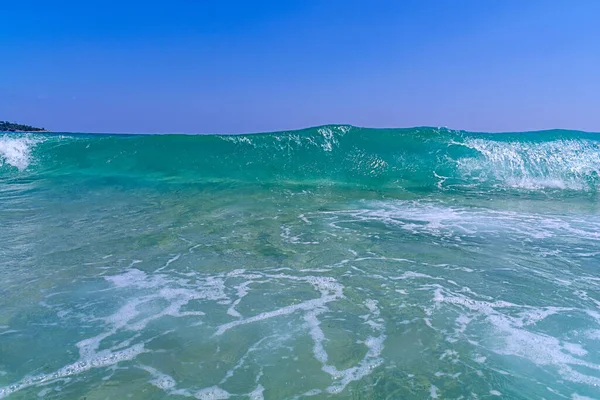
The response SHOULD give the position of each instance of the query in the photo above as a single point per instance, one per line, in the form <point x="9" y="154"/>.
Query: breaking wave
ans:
<point x="407" y="159"/>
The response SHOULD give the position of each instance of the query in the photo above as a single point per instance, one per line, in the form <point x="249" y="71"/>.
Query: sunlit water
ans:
<point x="117" y="286"/>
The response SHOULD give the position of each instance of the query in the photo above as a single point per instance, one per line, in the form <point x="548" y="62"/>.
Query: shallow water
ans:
<point x="123" y="278"/>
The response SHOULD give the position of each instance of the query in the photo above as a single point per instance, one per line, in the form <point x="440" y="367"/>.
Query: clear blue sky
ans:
<point x="248" y="66"/>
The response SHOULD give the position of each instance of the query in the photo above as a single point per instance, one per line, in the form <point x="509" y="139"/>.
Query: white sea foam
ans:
<point x="153" y="297"/>
<point x="238" y="139"/>
<point x="177" y="292"/>
<point x="169" y="385"/>
<point x="329" y="288"/>
<point x="593" y="334"/>
<point x="242" y="291"/>
<point x="16" y="151"/>
<point x="169" y="262"/>
<point x="99" y="359"/>
<point x="329" y="137"/>
<point x="255" y="347"/>
<point x="513" y="338"/>
<point x="437" y="219"/>
<point x="212" y="393"/>
<point x="557" y="164"/>
<point x="326" y="139"/>
<point x="286" y="234"/>
<point x="433" y="392"/>
<point x="310" y="393"/>
<point x="330" y="291"/>
<point x="159" y="379"/>
<point x="576" y="396"/>
<point x="365" y="366"/>
<point x="257" y="394"/>
<point x="158" y="286"/>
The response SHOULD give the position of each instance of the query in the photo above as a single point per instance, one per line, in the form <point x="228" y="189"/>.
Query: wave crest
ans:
<point x="16" y="151"/>
<point x="557" y="164"/>
<point x="417" y="159"/>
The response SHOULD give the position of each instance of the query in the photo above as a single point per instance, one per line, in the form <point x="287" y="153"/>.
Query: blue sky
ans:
<point x="249" y="66"/>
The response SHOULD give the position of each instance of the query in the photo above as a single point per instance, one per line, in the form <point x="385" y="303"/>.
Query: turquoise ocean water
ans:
<point x="332" y="262"/>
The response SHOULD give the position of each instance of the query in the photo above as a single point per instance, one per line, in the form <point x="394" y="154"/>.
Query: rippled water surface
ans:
<point x="135" y="270"/>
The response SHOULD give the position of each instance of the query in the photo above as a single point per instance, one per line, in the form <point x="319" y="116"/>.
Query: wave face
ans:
<point x="422" y="159"/>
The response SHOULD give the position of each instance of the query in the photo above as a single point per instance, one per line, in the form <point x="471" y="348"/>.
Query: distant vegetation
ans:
<point x="6" y="126"/>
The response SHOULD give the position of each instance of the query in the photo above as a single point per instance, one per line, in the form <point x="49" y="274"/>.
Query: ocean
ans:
<point x="331" y="262"/>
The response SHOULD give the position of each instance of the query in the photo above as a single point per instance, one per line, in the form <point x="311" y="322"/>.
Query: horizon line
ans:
<point x="46" y="131"/>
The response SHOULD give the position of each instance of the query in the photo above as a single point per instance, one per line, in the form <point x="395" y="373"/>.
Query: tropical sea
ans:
<point x="332" y="262"/>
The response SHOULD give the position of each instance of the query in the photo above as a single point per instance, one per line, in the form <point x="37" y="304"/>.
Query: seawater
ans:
<point x="333" y="262"/>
